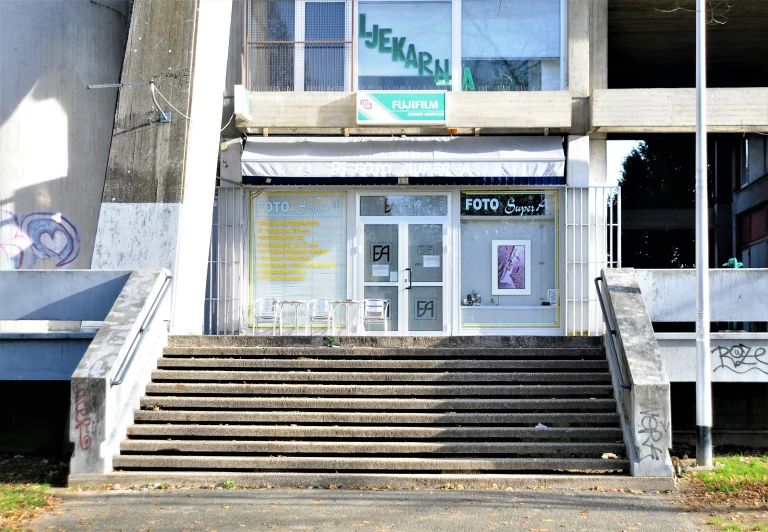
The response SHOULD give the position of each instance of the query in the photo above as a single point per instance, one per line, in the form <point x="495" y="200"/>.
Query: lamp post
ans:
<point x="703" y="360"/>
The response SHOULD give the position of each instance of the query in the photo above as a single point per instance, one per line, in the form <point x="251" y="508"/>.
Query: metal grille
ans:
<point x="299" y="45"/>
<point x="226" y="275"/>
<point x="592" y="242"/>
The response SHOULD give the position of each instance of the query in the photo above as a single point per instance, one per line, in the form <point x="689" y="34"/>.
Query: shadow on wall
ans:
<point x="55" y="133"/>
<point x="36" y="418"/>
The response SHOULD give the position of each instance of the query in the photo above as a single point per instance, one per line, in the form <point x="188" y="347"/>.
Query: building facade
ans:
<point x="447" y="156"/>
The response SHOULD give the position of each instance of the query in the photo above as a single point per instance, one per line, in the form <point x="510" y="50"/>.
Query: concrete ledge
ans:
<point x="510" y="111"/>
<point x="366" y="480"/>
<point x="100" y="412"/>
<point x="53" y="335"/>
<point x="646" y="406"/>
<point x="516" y="342"/>
<point x="674" y="110"/>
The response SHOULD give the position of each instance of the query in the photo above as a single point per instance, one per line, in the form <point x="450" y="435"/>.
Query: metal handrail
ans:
<point x="139" y="337"/>
<point x="611" y="334"/>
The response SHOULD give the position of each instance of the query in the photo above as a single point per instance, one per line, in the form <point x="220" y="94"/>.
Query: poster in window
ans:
<point x="511" y="267"/>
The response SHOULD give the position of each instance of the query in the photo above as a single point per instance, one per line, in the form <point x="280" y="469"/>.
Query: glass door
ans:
<point x="381" y="271"/>
<point x="425" y="278"/>
<point x="403" y="256"/>
<point x="403" y="263"/>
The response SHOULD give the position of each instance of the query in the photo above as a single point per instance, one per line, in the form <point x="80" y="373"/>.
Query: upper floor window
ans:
<point x="473" y="45"/>
<point x="404" y="45"/>
<point x="299" y="45"/>
<point x="510" y="45"/>
<point x="754" y="156"/>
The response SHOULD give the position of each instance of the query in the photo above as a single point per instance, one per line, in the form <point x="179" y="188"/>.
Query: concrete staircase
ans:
<point x="406" y="406"/>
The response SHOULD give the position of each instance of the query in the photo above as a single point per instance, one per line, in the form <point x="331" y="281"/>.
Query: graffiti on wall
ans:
<point x="82" y="421"/>
<point x="27" y="238"/>
<point x="741" y="358"/>
<point x="653" y="430"/>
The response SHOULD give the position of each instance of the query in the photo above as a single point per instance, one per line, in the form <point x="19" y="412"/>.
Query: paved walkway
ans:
<point x="332" y="510"/>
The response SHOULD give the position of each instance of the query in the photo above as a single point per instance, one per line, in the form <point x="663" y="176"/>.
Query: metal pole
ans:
<point x="703" y="361"/>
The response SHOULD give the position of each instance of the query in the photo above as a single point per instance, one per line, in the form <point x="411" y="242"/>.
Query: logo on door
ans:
<point x="380" y="252"/>
<point x="426" y="309"/>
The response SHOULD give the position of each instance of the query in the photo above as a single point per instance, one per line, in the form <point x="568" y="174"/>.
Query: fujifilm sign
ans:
<point x="386" y="108"/>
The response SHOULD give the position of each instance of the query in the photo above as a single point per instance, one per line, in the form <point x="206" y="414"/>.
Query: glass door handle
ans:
<point x="410" y="279"/>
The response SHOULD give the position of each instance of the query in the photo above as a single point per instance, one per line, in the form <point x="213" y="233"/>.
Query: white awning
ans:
<point x="412" y="157"/>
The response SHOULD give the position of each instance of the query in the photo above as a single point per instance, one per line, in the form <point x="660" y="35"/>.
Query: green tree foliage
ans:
<point x="660" y="174"/>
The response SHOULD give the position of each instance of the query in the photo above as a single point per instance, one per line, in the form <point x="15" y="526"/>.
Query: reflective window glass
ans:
<point x="510" y="45"/>
<point x="403" y="206"/>
<point x="404" y="46"/>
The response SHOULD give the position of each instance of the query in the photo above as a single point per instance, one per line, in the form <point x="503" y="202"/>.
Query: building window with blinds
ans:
<point x="511" y="45"/>
<point x="299" y="45"/>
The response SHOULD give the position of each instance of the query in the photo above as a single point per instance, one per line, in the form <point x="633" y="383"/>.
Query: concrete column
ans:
<point x="211" y="46"/>
<point x="158" y="195"/>
<point x="577" y="166"/>
<point x="598" y="44"/>
<point x="598" y="160"/>
<point x="578" y="64"/>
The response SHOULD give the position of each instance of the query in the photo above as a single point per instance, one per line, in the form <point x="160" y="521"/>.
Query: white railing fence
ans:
<point x="227" y="262"/>
<point x="592" y="243"/>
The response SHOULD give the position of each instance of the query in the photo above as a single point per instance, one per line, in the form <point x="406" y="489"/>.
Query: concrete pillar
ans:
<point x="578" y="64"/>
<point x="158" y="195"/>
<point x="577" y="166"/>
<point x="211" y="46"/>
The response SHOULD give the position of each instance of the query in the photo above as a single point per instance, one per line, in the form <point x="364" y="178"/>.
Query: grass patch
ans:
<point x="733" y="474"/>
<point x="19" y="502"/>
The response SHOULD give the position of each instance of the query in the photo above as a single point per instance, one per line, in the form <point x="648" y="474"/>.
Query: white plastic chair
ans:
<point x="375" y="311"/>
<point x="267" y="309"/>
<point x="320" y="311"/>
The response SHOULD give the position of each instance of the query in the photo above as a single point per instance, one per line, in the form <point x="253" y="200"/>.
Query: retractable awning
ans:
<point x="423" y="160"/>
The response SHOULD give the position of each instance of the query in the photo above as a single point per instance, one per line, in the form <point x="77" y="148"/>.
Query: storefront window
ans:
<point x="298" y="246"/>
<point x="510" y="45"/>
<point x="509" y="259"/>
<point x="404" y="45"/>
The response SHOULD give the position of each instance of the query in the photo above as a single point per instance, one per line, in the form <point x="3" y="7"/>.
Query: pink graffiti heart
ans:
<point x="55" y="242"/>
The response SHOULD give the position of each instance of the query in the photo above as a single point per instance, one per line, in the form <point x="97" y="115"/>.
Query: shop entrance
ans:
<point x="404" y="255"/>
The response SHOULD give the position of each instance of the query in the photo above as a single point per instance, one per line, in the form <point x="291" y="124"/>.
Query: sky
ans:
<point x="617" y="152"/>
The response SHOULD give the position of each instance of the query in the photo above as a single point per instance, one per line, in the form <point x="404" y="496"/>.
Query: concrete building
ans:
<point x="350" y="150"/>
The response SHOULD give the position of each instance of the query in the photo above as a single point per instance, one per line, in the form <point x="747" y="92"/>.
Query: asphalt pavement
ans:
<point x="347" y="510"/>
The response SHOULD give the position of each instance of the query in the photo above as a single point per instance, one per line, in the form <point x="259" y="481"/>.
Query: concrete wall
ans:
<point x="54" y="132"/>
<point x="735" y="295"/>
<point x="736" y="357"/>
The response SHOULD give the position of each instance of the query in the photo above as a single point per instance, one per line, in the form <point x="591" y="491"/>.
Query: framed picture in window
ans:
<point x="511" y="267"/>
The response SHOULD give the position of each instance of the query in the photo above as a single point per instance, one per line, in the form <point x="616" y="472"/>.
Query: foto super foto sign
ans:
<point x="388" y="108"/>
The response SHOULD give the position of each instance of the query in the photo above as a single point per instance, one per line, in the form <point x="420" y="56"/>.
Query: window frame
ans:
<point x="299" y="43"/>
<point x="456" y="70"/>
<point x="351" y="68"/>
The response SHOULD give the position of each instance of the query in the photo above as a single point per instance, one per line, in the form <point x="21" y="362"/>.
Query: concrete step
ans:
<point x="231" y="463"/>
<point x="608" y="434"/>
<point x="361" y="377"/>
<point x="380" y="390"/>
<point x="339" y="364"/>
<point x="385" y="405"/>
<point x="364" y="447"/>
<point x="472" y="342"/>
<point x="381" y="418"/>
<point x="392" y="480"/>
<point x="407" y="353"/>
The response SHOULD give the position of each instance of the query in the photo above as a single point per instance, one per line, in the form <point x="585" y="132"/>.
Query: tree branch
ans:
<point x="718" y="10"/>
